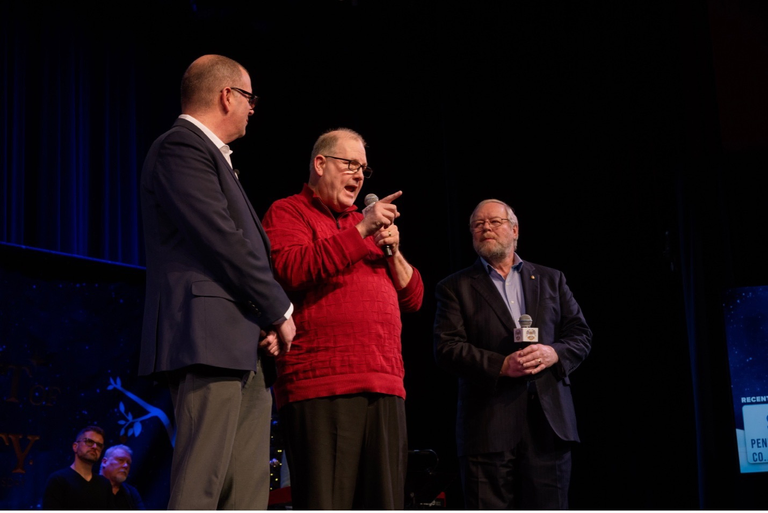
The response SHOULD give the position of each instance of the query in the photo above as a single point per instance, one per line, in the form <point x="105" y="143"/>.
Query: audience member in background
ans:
<point x="115" y="466"/>
<point x="76" y="486"/>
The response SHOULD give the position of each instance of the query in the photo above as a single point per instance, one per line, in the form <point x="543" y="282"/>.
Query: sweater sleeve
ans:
<point x="300" y="261"/>
<point x="411" y="296"/>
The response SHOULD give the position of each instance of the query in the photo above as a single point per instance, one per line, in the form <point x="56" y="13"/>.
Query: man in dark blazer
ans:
<point x="515" y="421"/>
<point x="211" y="302"/>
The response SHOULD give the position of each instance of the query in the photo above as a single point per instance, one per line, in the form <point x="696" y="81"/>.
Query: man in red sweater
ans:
<point x="340" y="389"/>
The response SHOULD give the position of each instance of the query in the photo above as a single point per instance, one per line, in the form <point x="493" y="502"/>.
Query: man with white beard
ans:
<point x="116" y="466"/>
<point x="516" y="423"/>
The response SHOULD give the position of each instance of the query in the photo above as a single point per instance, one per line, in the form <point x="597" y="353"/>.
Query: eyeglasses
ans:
<point x="252" y="98"/>
<point x="495" y="222"/>
<point x="91" y="443"/>
<point x="354" y="166"/>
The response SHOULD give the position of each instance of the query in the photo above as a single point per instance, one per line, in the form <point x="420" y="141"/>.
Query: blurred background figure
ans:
<point x="115" y="466"/>
<point x="76" y="486"/>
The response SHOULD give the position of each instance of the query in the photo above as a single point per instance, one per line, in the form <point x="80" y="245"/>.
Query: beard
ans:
<point x="90" y="457"/>
<point x="493" y="251"/>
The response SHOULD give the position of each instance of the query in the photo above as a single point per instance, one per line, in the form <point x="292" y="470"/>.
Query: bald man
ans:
<point x="212" y="304"/>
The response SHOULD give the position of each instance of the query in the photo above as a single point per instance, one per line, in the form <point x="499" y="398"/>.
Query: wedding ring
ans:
<point x="539" y="361"/>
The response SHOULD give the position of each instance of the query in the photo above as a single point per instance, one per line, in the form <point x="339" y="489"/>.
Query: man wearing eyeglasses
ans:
<point x="340" y="390"/>
<point x="213" y="309"/>
<point x="516" y="422"/>
<point x="77" y="487"/>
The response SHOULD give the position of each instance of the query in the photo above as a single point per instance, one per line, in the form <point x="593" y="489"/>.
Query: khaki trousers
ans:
<point x="221" y="453"/>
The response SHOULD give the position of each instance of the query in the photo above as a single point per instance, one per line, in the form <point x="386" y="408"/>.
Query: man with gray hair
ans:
<point x="340" y="391"/>
<point x="515" y="422"/>
<point x="115" y="466"/>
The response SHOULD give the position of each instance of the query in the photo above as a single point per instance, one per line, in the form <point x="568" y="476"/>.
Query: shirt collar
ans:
<point x="312" y="197"/>
<point x="223" y="147"/>
<point x="517" y="266"/>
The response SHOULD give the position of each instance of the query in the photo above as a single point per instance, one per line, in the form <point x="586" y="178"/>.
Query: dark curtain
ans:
<point x="721" y="214"/>
<point x="69" y="134"/>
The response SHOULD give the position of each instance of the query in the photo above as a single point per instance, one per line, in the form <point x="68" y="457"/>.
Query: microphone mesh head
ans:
<point x="370" y="199"/>
<point x="525" y="321"/>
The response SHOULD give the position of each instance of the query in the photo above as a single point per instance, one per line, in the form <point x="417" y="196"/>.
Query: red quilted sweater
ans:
<point x="347" y="311"/>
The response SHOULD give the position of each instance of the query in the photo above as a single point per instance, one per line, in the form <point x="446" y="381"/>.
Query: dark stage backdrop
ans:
<point x="68" y="358"/>
<point x="626" y="135"/>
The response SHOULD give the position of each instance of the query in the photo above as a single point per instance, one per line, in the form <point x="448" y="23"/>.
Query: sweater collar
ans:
<point x="313" y="198"/>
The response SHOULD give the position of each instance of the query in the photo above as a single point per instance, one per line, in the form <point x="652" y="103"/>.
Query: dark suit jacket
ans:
<point x="210" y="286"/>
<point x="474" y="332"/>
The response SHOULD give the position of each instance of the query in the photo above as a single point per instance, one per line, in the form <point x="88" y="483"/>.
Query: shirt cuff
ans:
<point x="285" y="317"/>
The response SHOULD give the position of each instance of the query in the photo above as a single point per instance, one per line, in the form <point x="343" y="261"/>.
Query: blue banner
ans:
<point x="746" y="326"/>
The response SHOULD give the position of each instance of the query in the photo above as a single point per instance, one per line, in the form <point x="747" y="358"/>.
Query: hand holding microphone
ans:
<point x="388" y="238"/>
<point x="535" y="356"/>
<point x="378" y="219"/>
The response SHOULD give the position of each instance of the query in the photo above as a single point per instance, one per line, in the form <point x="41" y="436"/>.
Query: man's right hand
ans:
<point x="513" y="367"/>
<point x="285" y="332"/>
<point x="379" y="215"/>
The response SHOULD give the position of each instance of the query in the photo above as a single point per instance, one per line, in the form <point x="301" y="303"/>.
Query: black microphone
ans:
<point x="370" y="199"/>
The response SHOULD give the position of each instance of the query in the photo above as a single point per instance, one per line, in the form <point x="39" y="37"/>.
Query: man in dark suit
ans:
<point x="516" y="421"/>
<point x="211" y="303"/>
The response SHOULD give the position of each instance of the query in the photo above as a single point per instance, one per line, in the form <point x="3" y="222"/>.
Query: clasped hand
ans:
<point x="278" y="342"/>
<point x="528" y="361"/>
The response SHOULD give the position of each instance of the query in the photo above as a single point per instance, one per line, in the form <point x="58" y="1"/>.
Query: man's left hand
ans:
<point x="389" y="236"/>
<point x="537" y="357"/>
<point x="270" y="343"/>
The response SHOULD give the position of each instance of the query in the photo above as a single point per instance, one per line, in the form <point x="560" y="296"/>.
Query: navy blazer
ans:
<point x="474" y="332"/>
<point x="210" y="287"/>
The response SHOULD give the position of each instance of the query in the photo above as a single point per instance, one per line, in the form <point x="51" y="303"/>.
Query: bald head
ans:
<point x="216" y="91"/>
<point x="204" y="80"/>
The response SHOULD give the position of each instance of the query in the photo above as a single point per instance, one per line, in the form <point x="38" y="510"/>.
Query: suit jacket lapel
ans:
<point x="225" y="165"/>
<point x="530" y="280"/>
<point x="484" y="285"/>
<point x="255" y="217"/>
